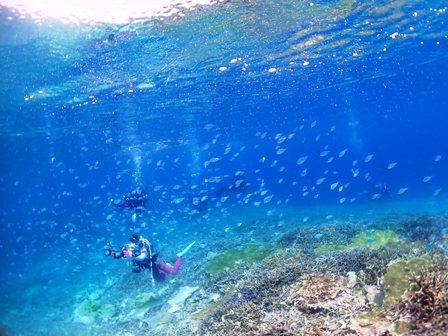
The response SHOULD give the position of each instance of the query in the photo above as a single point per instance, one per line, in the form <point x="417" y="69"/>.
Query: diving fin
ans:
<point x="180" y="254"/>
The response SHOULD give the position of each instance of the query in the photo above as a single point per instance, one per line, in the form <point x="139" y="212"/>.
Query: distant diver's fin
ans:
<point x="180" y="254"/>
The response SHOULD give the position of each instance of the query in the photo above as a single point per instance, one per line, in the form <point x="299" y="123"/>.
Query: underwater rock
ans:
<point x="352" y="279"/>
<point x="138" y="307"/>
<point x="86" y="312"/>
<point x="230" y="259"/>
<point x="370" y="239"/>
<point x="216" y="301"/>
<point x="144" y="302"/>
<point x="374" y="296"/>
<point x="378" y="328"/>
<point x="178" y="299"/>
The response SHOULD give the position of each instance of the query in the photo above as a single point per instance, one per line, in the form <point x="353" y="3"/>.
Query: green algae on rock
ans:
<point x="230" y="259"/>
<point x="399" y="280"/>
<point x="89" y="310"/>
<point x="365" y="239"/>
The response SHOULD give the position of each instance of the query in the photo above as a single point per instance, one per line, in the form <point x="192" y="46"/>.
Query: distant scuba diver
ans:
<point x="136" y="199"/>
<point x="144" y="256"/>
<point x="380" y="190"/>
<point x="200" y="202"/>
<point x="239" y="183"/>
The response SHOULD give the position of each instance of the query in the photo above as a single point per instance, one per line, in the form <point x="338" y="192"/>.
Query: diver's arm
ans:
<point x="117" y="254"/>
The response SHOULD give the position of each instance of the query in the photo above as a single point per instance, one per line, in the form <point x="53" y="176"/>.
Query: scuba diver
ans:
<point x="200" y="202"/>
<point x="144" y="256"/>
<point x="136" y="199"/>
<point x="239" y="184"/>
<point x="380" y="190"/>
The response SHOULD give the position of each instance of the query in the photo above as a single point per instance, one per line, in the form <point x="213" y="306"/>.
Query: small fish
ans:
<point x="313" y="124"/>
<point x="391" y="165"/>
<point x="368" y="158"/>
<point x="427" y="179"/>
<point x="178" y="200"/>
<point x="401" y="191"/>
<point x="438" y="158"/>
<point x="303" y="173"/>
<point x="280" y="151"/>
<point x="342" y="152"/>
<point x="321" y="180"/>
<point x="301" y="160"/>
<point x="334" y="186"/>
<point x="342" y="200"/>
<point x="324" y="153"/>
<point x="436" y="192"/>
<point x="281" y="140"/>
<point x="267" y="199"/>
<point x="355" y="172"/>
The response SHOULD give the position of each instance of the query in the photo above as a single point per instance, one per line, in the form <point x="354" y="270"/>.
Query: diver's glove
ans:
<point x="180" y="254"/>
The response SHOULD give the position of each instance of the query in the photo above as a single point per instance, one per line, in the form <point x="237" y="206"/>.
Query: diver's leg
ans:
<point x="168" y="269"/>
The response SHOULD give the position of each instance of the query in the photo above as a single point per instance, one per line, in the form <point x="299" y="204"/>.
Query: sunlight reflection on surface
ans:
<point x="102" y="11"/>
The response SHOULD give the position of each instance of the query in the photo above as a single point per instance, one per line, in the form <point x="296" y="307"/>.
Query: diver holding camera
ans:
<point x="144" y="256"/>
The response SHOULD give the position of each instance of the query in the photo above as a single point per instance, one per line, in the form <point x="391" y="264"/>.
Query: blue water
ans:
<point x="88" y="113"/>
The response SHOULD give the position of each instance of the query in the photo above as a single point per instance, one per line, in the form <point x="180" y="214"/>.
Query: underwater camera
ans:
<point x="107" y="249"/>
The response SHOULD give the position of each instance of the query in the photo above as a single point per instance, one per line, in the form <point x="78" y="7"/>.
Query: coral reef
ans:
<point x="308" y="238"/>
<point x="399" y="280"/>
<point x="277" y="324"/>
<point x="367" y="282"/>
<point x="366" y="239"/>
<point x="425" y="312"/>
<point x="321" y="293"/>
<point x="228" y="260"/>
<point x="422" y="227"/>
